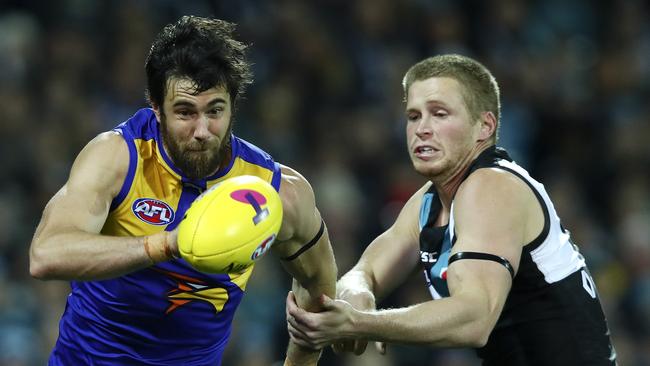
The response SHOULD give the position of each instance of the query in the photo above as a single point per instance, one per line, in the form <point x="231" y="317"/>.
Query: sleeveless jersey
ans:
<point x="169" y="313"/>
<point x="552" y="315"/>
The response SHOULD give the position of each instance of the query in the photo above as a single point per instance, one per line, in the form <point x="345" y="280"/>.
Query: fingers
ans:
<point x="300" y="332"/>
<point x="293" y="311"/>
<point x="358" y="347"/>
<point x="305" y="339"/>
<point x="381" y="347"/>
<point x="298" y="336"/>
<point x="291" y="301"/>
<point x="338" y="347"/>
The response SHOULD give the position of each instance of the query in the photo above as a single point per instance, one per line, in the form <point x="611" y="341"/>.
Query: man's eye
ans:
<point x="440" y="113"/>
<point x="216" y="111"/>
<point x="412" y="117"/>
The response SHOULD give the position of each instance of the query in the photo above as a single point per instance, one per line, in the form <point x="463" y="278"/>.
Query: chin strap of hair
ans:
<point x="483" y="256"/>
<point x="311" y="243"/>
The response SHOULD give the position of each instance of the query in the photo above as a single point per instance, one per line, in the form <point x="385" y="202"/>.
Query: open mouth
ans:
<point x="425" y="152"/>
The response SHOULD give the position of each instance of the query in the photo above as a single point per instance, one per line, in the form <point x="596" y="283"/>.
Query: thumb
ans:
<point x="326" y="301"/>
<point x="291" y="305"/>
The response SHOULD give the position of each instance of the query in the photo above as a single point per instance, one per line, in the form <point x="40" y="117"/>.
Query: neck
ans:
<point x="448" y="185"/>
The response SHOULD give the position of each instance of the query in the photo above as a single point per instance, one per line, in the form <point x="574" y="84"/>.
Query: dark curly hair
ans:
<point x="202" y="50"/>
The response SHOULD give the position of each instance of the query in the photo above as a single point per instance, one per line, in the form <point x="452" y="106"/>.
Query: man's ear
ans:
<point x="488" y="126"/>
<point x="156" y="111"/>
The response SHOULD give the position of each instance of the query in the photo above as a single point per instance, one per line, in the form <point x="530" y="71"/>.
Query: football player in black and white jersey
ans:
<point x="504" y="274"/>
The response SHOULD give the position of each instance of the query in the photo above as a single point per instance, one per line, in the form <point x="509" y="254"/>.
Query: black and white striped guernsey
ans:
<point x="552" y="315"/>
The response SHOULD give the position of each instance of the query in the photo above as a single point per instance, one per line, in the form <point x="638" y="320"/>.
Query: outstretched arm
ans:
<point x="495" y="213"/>
<point x="67" y="244"/>
<point x="385" y="264"/>
<point x="312" y="267"/>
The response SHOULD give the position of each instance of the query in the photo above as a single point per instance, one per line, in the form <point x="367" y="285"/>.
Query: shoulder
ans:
<point x="107" y="147"/>
<point x="490" y="184"/>
<point x="298" y="204"/>
<point x="251" y="153"/>
<point x="103" y="163"/>
<point x="294" y="189"/>
<point x="492" y="199"/>
<point x="412" y="206"/>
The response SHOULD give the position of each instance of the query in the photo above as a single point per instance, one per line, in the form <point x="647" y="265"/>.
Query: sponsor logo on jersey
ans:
<point x="189" y="289"/>
<point x="428" y="257"/>
<point x="153" y="211"/>
<point x="443" y="273"/>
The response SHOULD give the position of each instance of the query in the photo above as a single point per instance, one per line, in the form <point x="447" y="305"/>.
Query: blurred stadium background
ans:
<point x="575" y="80"/>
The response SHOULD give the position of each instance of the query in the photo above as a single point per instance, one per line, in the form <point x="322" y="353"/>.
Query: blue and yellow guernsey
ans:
<point x="167" y="314"/>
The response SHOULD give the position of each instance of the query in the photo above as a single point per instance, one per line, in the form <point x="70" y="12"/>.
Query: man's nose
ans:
<point x="201" y="131"/>
<point x="424" y="128"/>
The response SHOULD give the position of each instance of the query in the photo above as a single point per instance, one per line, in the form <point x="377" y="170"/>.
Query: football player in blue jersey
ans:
<point x="503" y="273"/>
<point x="111" y="229"/>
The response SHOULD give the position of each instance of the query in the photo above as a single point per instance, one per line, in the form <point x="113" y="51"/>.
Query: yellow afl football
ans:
<point x="231" y="225"/>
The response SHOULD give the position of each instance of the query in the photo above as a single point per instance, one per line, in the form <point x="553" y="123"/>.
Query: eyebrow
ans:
<point x="216" y="100"/>
<point x="437" y="102"/>
<point x="185" y="103"/>
<point x="432" y="102"/>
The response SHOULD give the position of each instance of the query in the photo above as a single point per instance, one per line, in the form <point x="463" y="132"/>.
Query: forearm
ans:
<point x="314" y="274"/>
<point x="447" y="322"/>
<point x="297" y="355"/>
<point x="308" y="299"/>
<point x="78" y="255"/>
<point x="311" y="281"/>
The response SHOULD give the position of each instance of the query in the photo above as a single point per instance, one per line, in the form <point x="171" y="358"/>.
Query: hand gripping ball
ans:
<point x="231" y="225"/>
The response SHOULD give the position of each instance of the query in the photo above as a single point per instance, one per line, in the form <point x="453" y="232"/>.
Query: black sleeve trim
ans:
<point x="483" y="256"/>
<point x="311" y="243"/>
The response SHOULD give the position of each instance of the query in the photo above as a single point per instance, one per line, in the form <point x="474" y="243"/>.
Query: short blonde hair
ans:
<point x="480" y="89"/>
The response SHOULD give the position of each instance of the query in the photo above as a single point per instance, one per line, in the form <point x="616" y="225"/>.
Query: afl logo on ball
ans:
<point x="262" y="248"/>
<point x="152" y="211"/>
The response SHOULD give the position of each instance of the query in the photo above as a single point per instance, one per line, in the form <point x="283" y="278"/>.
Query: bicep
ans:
<point x="492" y="224"/>
<point x="492" y="214"/>
<point x="303" y="242"/>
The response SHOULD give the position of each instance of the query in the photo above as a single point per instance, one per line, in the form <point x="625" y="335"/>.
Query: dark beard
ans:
<point x="193" y="164"/>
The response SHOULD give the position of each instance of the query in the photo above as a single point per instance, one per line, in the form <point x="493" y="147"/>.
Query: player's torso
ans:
<point x="551" y="283"/>
<point x="167" y="313"/>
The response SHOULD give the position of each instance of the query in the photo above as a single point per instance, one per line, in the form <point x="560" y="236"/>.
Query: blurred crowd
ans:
<point x="327" y="100"/>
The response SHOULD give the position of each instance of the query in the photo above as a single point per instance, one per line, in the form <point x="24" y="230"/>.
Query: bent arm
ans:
<point x="314" y="270"/>
<point x="494" y="213"/>
<point x="67" y="244"/>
